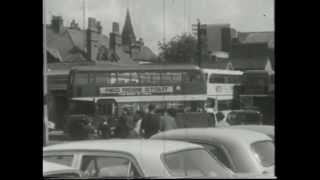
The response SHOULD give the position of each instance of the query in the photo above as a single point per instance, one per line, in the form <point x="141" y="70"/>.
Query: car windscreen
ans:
<point x="264" y="151"/>
<point x="194" y="163"/>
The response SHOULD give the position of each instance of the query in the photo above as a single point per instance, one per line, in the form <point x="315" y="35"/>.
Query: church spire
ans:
<point x="128" y="35"/>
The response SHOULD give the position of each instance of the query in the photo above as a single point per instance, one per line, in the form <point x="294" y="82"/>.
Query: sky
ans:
<point x="159" y="20"/>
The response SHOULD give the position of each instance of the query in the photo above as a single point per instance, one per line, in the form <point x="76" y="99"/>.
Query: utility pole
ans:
<point x="45" y="106"/>
<point x="164" y="20"/>
<point x="199" y="43"/>
<point x="200" y="31"/>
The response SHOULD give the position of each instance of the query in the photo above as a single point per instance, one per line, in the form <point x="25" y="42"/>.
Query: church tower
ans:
<point x="128" y="36"/>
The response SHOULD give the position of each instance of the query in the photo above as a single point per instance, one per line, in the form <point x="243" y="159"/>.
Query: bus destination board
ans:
<point x="136" y="91"/>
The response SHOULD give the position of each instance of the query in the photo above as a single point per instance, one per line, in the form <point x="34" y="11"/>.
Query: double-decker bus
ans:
<point x="220" y="85"/>
<point x="257" y="92"/>
<point x="106" y="90"/>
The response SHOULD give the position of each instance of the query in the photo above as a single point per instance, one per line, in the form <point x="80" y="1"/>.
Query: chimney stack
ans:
<point x="115" y="37"/>
<point x="74" y="25"/>
<point x="92" y="38"/>
<point x="57" y="24"/>
<point x="115" y="27"/>
<point x="99" y="27"/>
<point x="92" y="24"/>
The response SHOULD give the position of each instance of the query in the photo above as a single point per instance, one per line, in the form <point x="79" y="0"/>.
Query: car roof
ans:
<point x="267" y="129"/>
<point x="132" y="146"/>
<point x="49" y="167"/>
<point x="147" y="152"/>
<point x="220" y="134"/>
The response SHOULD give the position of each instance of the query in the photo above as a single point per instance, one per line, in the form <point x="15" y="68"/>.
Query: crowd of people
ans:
<point x="129" y="124"/>
<point x="144" y="125"/>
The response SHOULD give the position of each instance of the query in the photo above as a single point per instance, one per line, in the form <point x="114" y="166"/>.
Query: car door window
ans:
<point x="59" y="159"/>
<point x="194" y="163"/>
<point x="107" y="166"/>
<point x="218" y="153"/>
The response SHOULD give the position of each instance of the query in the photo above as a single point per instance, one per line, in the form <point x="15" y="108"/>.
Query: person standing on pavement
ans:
<point x="131" y="125"/>
<point x="122" y="129"/>
<point x="150" y="123"/>
<point x="220" y="118"/>
<point x="137" y="121"/>
<point x="167" y="121"/>
<point x="103" y="129"/>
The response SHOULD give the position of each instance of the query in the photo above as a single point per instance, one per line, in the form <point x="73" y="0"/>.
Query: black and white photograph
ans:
<point x="159" y="89"/>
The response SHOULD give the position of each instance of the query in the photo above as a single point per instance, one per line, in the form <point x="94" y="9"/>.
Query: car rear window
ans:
<point x="63" y="175"/>
<point x="264" y="151"/>
<point x="194" y="163"/>
<point x="59" y="159"/>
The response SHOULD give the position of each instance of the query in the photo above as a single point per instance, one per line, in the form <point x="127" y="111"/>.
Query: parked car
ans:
<point x="242" y="151"/>
<point x="241" y="117"/>
<point x="54" y="170"/>
<point x="137" y="158"/>
<point x="265" y="129"/>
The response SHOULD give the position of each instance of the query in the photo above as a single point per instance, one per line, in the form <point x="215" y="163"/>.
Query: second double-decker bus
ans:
<point x="220" y="85"/>
<point x="106" y="90"/>
<point x="257" y="92"/>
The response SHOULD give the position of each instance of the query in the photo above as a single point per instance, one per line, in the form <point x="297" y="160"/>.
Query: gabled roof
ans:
<point x="55" y="54"/>
<point x="257" y="37"/>
<point x="72" y="43"/>
<point x="51" y="35"/>
<point x="218" y="64"/>
<point x="145" y="54"/>
<point x="255" y="63"/>
<point x="119" y="67"/>
<point x="124" y="58"/>
<point x="79" y="38"/>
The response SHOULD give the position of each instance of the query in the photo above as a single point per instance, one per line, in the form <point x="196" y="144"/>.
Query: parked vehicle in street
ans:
<point x="54" y="170"/>
<point x="242" y="151"/>
<point x="265" y="129"/>
<point x="256" y="91"/>
<point x="137" y="158"/>
<point x="241" y="117"/>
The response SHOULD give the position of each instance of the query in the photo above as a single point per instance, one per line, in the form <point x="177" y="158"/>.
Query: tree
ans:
<point x="180" y="49"/>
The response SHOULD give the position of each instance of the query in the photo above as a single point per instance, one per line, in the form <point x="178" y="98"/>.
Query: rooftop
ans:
<point x="116" y="67"/>
<point x="255" y="63"/>
<point x="257" y="37"/>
